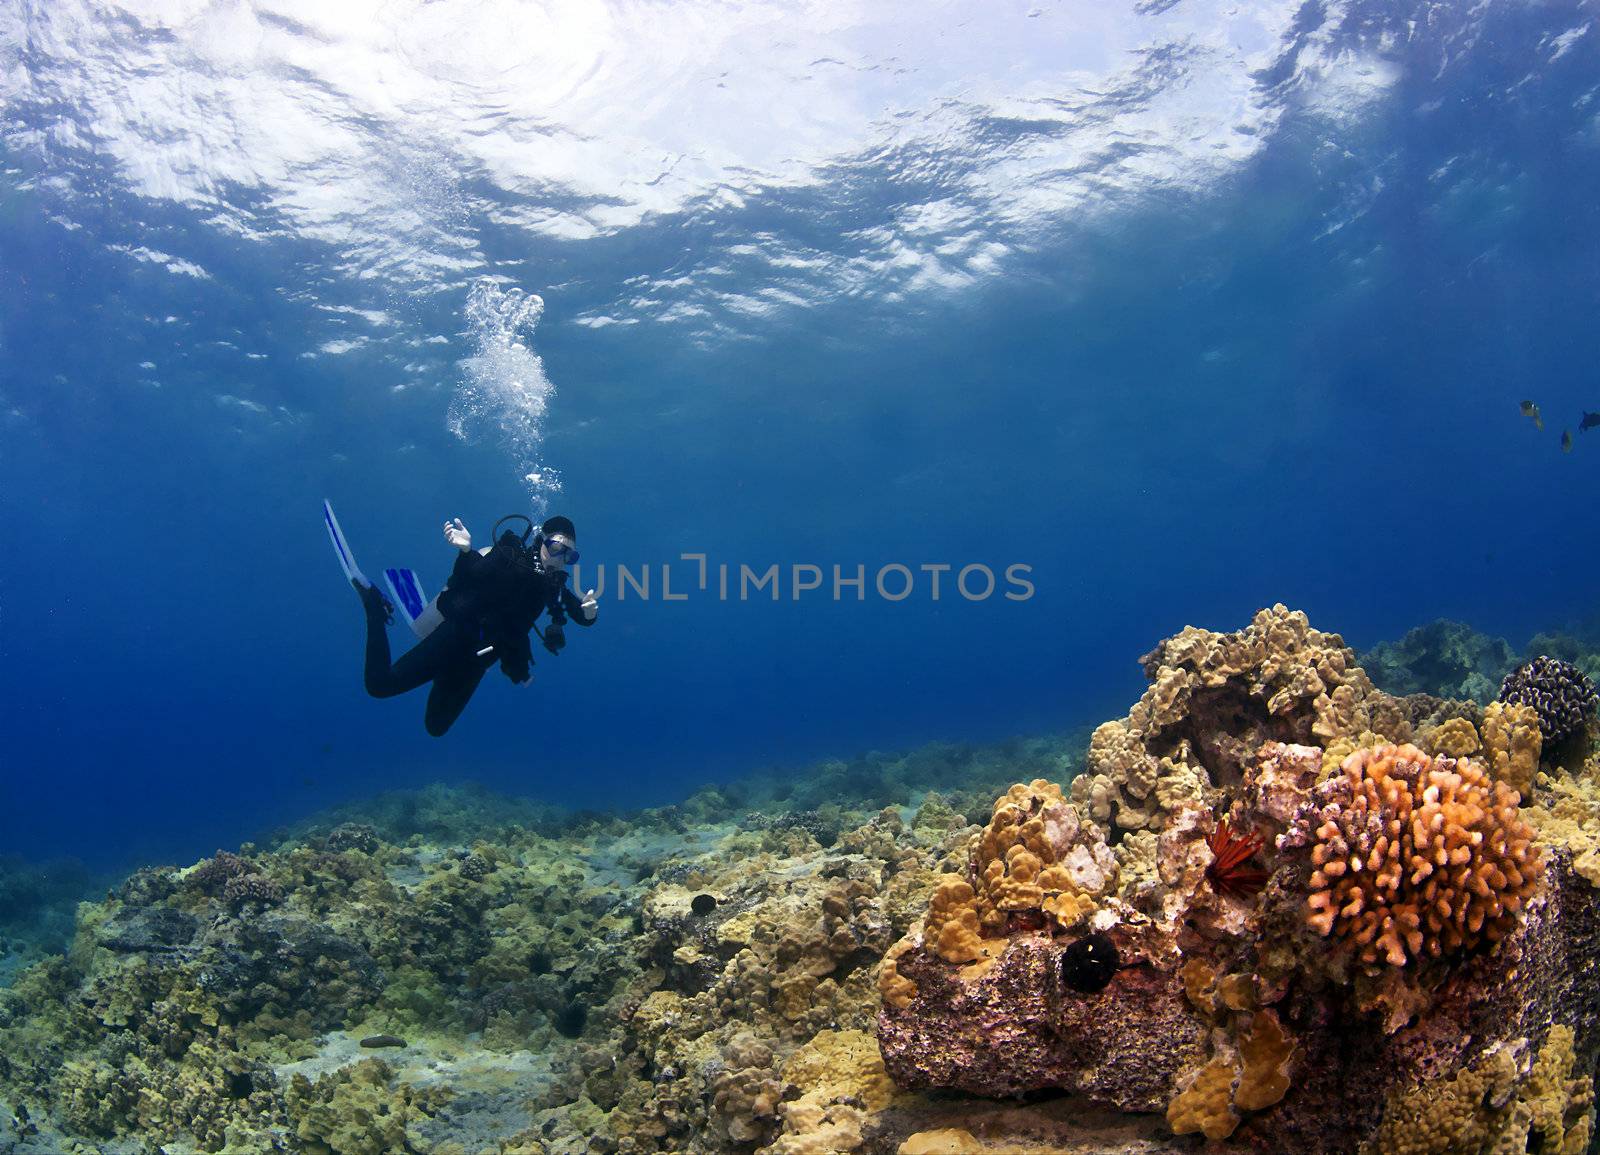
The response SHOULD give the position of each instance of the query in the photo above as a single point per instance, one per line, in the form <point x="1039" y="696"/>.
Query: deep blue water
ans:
<point x="1190" y="312"/>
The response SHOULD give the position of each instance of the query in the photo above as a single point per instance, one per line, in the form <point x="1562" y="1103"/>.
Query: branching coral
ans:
<point x="251" y="889"/>
<point x="352" y="836"/>
<point x="214" y="873"/>
<point x="1417" y="857"/>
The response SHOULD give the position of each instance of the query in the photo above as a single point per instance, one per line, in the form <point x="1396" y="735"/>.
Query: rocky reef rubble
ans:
<point x="1337" y="923"/>
<point x="703" y="977"/>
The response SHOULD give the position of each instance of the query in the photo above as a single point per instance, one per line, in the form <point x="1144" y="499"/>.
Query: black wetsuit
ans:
<point x="493" y="599"/>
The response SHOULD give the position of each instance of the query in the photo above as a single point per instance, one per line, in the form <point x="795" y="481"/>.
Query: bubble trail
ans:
<point x="503" y="387"/>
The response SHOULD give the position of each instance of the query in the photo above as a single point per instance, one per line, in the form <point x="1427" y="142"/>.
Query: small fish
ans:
<point x="1529" y="409"/>
<point x="1566" y="441"/>
<point x="373" y="1042"/>
<point x="1590" y="420"/>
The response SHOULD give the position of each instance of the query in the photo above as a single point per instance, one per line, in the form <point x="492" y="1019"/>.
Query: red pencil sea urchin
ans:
<point x="1230" y="872"/>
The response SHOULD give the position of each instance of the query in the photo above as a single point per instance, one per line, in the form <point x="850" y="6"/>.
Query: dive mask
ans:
<point x="561" y="550"/>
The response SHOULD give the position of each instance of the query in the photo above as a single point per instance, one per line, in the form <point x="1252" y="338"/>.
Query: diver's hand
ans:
<point x="457" y="535"/>
<point x="555" y="638"/>
<point x="590" y="607"/>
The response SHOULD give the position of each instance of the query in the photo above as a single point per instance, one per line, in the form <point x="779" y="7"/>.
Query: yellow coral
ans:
<point x="1115" y="752"/>
<point x="354" y="1111"/>
<point x="1137" y="860"/>
<point x="1068" y="909"/>
<point x="1418" y="856"/>
<point x="1206" y="1104"/>
<point x="1499" y="1104"/>
<point x="1140" y="771"/>
<point x="842" y="1081"/>
<point x="1200" y="985"/>
<point x="1266" y="1053"/>
<point x="1571" y="818"/>
<point x="1238" y="992"/>
<point x="952" y="930"/>
<point x="946" y="1141"/>
<point x="1013" y="851"/>
<point x="1037" y="858"/>
<point x="1511" y="744"/>
<point x="1553" y="1104"/>
<point x="897" y="990"/>
<point x="1454" y="738"/>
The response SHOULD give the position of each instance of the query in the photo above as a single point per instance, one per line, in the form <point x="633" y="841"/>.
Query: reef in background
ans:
<point x="37" y="901"/>
<point x="1176" y="942"/>
<point x="1450" y="659"/>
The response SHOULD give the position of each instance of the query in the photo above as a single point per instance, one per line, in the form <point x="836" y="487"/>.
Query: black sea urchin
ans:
<point x="1088" y="964"/>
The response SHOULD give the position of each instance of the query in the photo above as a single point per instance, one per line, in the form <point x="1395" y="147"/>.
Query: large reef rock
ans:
<point x="1323" y="937"/>
<point x="1141" y="1043"/>
<point x="1012" y="1027"/>
<point x="1213" y="699"/>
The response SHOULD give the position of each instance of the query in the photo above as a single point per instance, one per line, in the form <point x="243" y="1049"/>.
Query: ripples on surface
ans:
<point x="841" y="150"/>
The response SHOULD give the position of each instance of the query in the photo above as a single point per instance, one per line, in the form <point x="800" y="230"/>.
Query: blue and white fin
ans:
<point x="352" y="572"/>
<point x="421" y="614"/>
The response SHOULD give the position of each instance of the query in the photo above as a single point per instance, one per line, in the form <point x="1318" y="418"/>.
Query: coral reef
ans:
<point x="1511" y="745"/>
<point x="1568" y="816"/>
<point x="358" y="1110"/>
<point x="635" y="984"/>
<point x="1445" y="659"/>
<point x="1269" y="802"/>
<point x="1502" y="1102"/>
<point x="841" y="1083"/>
<point x="893" y="953"/>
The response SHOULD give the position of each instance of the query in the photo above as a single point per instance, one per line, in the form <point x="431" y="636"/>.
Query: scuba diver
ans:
<point x="494" y="597"/>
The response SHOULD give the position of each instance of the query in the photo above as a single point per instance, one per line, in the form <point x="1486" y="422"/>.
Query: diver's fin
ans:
<point x="352" y="572"/>
<point x="421" y="614"/>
